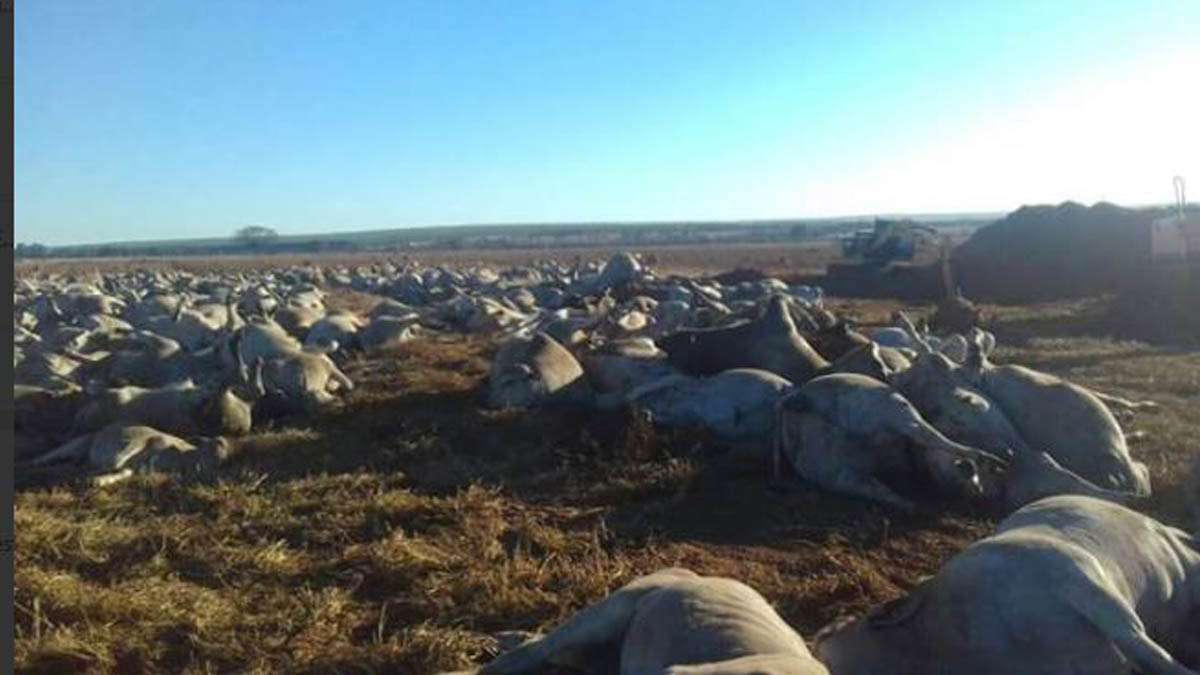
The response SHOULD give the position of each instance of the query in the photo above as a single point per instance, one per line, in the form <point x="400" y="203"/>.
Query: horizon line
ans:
<point x="599" y="223"/>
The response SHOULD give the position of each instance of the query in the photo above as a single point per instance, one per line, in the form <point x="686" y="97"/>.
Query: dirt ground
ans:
<point x="400" y="532"/>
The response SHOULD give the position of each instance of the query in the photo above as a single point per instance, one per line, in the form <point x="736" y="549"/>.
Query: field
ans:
<point x="399" y="533"/>
<point x="807" y="257"/>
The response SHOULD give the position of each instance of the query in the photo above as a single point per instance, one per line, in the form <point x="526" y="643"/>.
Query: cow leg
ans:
<point x="337" y="377"/>
<point x="110" y="477"/>
<point x="1035" y="475"/>
<point x="823" y="455"/>
<point x="1112" y="616"/>
<point x="851" y="482"/>
<point x="76" y="448"/>
<point x="599" y="625"/>
<point x="753" y="664"/>
<point x="1118" y="404"/>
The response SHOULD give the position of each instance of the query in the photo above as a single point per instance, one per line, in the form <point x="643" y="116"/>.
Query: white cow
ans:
<point x="1066" y="420"/>
<point x="1068" y="584"/>
<point x="736" y="405"/>
<point x="672" y="622"/>
<point x="854" y="435"/>
<point x="535" y="371"/>
<point x="140" y="449"/>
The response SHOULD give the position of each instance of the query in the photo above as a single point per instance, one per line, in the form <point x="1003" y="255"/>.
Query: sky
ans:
<point x="162" y="119"/>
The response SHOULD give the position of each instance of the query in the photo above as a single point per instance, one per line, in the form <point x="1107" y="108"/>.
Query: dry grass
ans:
<point x="397" y="534"/>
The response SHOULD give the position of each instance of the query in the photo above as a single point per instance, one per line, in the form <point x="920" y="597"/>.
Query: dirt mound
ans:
<point x="1046" y="252"/>
<point x="903" y="281"/>
<point x="740" y="275"/>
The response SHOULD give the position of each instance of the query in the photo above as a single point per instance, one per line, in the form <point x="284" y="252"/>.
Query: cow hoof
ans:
<point x="509" y="640"/>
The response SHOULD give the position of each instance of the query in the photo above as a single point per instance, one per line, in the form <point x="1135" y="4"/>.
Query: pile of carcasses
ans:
<point x="157" y="369"/>
<point x="889" y="414"/>
<point x="170" y="362"/>
<point x="1073" y="581"/>
<point x="162" y="366"/>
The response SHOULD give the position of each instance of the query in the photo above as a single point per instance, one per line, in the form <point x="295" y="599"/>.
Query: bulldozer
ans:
<point x="880" y="262"/>
<point x="883" y="261"/>
<point x="888" y="242"/>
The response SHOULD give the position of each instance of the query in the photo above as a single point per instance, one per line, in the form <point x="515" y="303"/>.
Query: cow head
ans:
<point x="956" y="477"/>
<point x="529" y="371"/>
<point x="515" y="385"/>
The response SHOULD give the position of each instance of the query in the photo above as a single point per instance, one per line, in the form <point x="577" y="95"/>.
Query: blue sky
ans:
<point x="144" y="119"/>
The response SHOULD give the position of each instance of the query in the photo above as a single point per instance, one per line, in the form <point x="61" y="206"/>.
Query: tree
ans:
<point x="254" y="236"/>
<point x="30" y="251"/>
<point x="256" y="233"/>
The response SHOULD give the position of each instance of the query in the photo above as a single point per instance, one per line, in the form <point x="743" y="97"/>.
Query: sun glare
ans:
<point x="1119" y="135"/>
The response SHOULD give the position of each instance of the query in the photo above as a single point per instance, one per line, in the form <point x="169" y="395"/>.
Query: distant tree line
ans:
<point x="261" y="240"/>
<point x="30" y="251"/>
<point x="151" y="250"/>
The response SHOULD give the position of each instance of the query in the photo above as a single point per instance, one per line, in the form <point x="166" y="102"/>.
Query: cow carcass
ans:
<point x="1068" y="584"/>
<point x="672" y="621"/>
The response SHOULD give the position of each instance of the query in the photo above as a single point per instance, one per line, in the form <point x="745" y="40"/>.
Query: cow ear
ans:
<point x="899" y="610"/>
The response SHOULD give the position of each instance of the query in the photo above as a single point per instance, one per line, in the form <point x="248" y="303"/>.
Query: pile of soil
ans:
<point x="903" y="281"/>
<point x="740" y="275"/>
<point x="1049" y="252"/>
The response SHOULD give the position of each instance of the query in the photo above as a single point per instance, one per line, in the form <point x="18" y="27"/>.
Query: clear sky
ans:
<point x="143" y="119"/>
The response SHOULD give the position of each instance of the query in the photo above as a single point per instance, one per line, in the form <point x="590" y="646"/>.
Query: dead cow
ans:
<point x="769" y="343"/>
<point x="536" y="371"/>
<point x="1067" y="421"/>
<point x="854" y="435"/>
<point x="118" y="450"/>
<point x="301" y="382"/>
<point x="673" y="621"/>
<point x="736" y="405"/>
<point x="1068" y="584"/>
<point x="183" y="409"/>
<point x="968" y="416"/>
